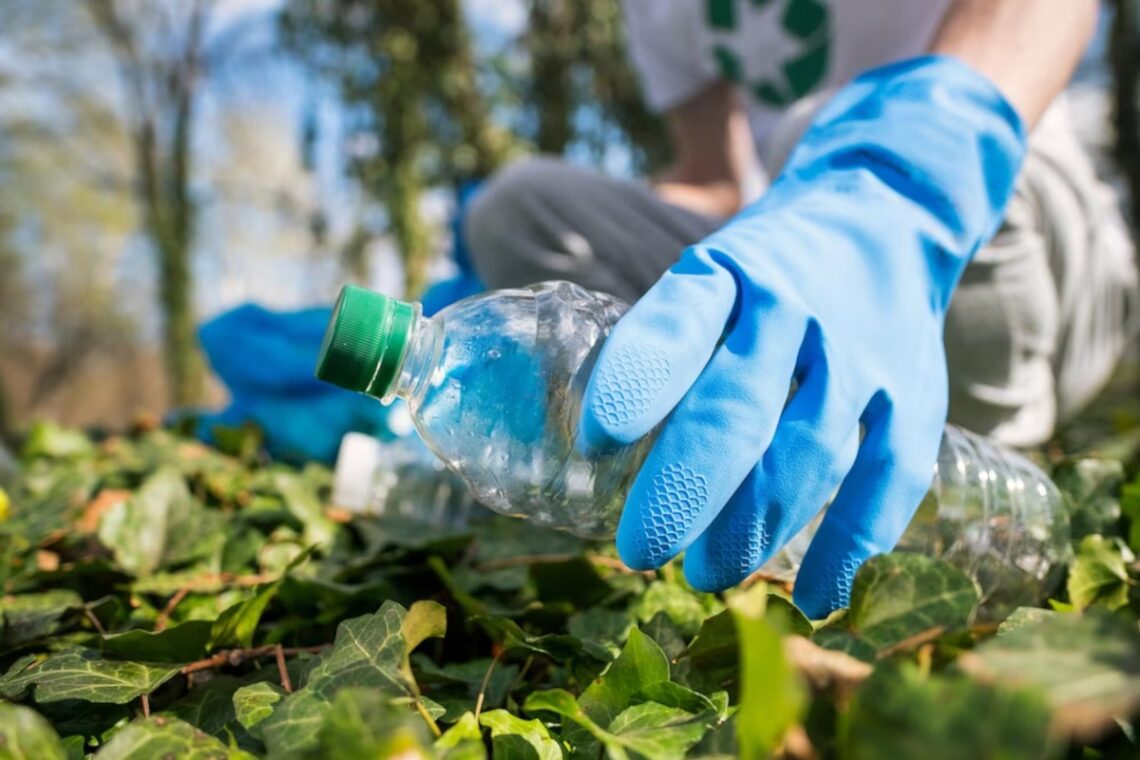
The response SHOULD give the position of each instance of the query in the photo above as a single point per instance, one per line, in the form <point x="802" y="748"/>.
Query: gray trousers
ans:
<point x="1038" y="323"/>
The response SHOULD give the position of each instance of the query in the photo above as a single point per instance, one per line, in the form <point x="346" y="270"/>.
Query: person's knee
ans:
<point x="505" y="211"/>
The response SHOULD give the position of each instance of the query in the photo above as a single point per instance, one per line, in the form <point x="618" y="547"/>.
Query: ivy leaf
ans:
<point x="362" y="723"/>
<point x="713" y="657"/>
<point x="161" y="525"/>
<point x="237" y="624"/>
<point x="1090" y="486"/>
<point x="842" y="640"/>
<point x="640" y="665"/>
<point x="897" y="596"/>
<point x="301" y="500"/>
<point x="655" y="731"/>
<point x="1130" y="506"/>
<point x="1099" y="574"/>
<point x="209" y="706"/>
<point x="1022" y="617"/>
<point x="1087" y="667"/>
<point x="370" y="652"/>
<point x="558" y="647"/>
<point x="647" y="730"/>
<point x="26" y="735"/>
<point x="180" y="643"/>
<point x="687" y="608"/>
<point x="899" y="712"/>
<point x="771" y="695"/>
<point x="517" y="739"/>
<point x="254" y="703"/>
<point x="25" y="617"/>
<point x="84" y="674"/>
<point x="166" y="737"/>
<point x="463" y="740"/>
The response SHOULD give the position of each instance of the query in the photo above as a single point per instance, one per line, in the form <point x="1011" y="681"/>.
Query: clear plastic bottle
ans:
<point x="400" y="478"/>
<point x="495" y="383"/>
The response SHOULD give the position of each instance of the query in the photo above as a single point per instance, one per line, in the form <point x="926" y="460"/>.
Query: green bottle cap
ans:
<point x="365" y="341"/>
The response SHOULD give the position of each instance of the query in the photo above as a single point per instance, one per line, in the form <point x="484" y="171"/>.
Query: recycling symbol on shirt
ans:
<point x="800" y="56"/>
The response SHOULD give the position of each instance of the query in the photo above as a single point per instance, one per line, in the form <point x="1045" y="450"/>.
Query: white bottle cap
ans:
<point x="356" y="463"/>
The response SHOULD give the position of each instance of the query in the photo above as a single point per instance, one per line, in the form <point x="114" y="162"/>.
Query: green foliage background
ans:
<point x="161" y="598"/>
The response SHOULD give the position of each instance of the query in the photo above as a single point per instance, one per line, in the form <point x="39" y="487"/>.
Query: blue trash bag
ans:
<point x="266" y="359"/>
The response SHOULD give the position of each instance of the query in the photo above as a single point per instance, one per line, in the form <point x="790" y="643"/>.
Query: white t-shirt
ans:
<point x="779" y="52"/>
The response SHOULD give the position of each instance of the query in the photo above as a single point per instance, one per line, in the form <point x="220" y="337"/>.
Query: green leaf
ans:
<point x="1022" y="617"/>
<point x="713" y="657"/>
<point x="25" y="617"/>
<point x="1090" y="486"/>
<point x="293" y="728"/>
<point x="1130" y="507"/>
<point x="463" y="740"/>
<point x="647" y="730"/>
<point x="897" y="596"/>
<point x="27" y="735"/>
<point x="1087" y="667"/>
<point x="237" y="624"/>
<point x="254" y="703"/>
<point x="182" y="643"/>
<point x="49" y="440"/>
<point x="84" y="674"/>
<point x="640" y="665"/>
<point x="166" y="737"/>
<point x="898" y="712"/>
<point x="362" y="723"/>
<point x="771" y="695"/>
<point x="842" y="640"/>
<point x="517" y="739"/>
<point x="685" y="607"/>
<point x="209" y="706"/>
<point x="558" y="647"/>
<point x="370" y="652"/>
<point x="160" y="526"/>
<point x="605" y="628"/>
<point x="1099" y="574"/>
<point x="301" y="500"/>
<point x="658" y="732"/>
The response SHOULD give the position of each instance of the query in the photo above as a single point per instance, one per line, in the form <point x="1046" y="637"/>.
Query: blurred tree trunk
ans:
<point x="483" y="147"/>
<point x="553" y="50"/>
<point x="161" y="100"/>
<point x="1124" y="57"/>
<point x="419" y="96"/>
<point x="615" y="86"/>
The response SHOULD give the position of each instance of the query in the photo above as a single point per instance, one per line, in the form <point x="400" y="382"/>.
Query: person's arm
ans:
<point x="836" y="280"/>
<point x="1028" y="48"/>
<point x="714" y="153"/>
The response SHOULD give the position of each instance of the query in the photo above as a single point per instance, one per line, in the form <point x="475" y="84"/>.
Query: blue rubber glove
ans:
<point x="838" y="279"/>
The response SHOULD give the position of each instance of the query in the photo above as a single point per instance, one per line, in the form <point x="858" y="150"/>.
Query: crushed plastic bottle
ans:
<point x="494" y="384"/>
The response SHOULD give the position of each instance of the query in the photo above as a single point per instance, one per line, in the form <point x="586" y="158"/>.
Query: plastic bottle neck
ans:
<point x="424" y="346"/>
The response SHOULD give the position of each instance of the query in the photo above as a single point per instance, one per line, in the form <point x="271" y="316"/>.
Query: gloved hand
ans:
<point x="837" y="279"/>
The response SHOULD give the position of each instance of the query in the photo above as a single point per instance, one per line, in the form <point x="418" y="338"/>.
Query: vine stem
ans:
<point x="238" y="656"/>
<point x="486" y="681"/>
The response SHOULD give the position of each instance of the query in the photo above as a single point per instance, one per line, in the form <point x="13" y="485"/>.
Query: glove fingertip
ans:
<point x="825" y="590"/>
<point x="594" y="434"/>
<point x="634" y="550"/>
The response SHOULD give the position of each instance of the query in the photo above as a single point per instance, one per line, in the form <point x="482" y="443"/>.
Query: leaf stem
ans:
<point x="238" y="656"/>
<point x="286" y="682"/>
<point x="164" y="616"/>
<point x="483" y="685"/>
<point x="427" y="717"/>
